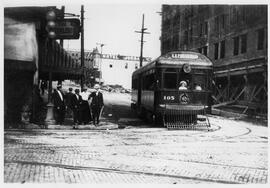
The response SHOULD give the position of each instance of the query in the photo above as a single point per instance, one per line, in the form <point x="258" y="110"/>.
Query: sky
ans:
<point x="115" y="24"/>
<point x="112" y="23"/>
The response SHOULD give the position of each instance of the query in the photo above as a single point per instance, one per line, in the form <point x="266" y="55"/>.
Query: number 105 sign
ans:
<point x="168" y="98"/>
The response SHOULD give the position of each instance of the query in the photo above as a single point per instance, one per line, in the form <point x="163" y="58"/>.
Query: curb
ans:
<point x="102" y="126"/>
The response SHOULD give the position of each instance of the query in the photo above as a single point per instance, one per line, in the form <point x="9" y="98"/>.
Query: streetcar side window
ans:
<point x="170" y="80"/>
<point x="135" y="84"/>
<point x="149" y="82"/>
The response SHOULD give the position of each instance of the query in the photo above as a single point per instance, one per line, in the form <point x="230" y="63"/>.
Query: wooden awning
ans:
<point x="59" y="62"/>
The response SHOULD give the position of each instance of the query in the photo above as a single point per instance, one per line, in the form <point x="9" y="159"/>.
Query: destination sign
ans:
<point x="67" y="29"/>
<point x="184" y="56"/>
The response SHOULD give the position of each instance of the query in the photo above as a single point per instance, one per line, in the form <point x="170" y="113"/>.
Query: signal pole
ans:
<point x="143" y="31"/>
<point x="82" y="46"/>
<point x="62" y="17"/>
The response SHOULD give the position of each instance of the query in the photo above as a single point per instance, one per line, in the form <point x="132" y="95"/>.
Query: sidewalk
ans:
<point x="103" y="125"/>
<point x="237" y="115"/>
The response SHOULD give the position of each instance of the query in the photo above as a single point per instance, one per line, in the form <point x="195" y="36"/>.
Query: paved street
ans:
<point x="231" y="152"/>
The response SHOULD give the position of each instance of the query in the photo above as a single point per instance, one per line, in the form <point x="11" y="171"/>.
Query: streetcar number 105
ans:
<point x="169" y="98"/>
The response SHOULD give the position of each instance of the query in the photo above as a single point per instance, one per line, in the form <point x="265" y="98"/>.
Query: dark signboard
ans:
<point x="67" y="29"/>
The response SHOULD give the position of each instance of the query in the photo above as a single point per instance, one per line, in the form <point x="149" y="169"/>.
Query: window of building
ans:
<point x="260" y="42"/>
<point x="204" y="50"/>
<point x="222" y="49"/>
<point x="175" y="41"/>
<point x="111" y="65"/>
<point x="186" y="37"/>
<point x="222" y="20"/>
<point x="191" y="35"/>
<point x="236" y="45"/>
<point x="216" y="26"/>
<point x="206" y="28"/>
<point x="201" y="30"/>
<point x="244" y="43"/>
<point x="244" y="14"/>
<point x="216" y="46"/>
<point x="200" y="50"/>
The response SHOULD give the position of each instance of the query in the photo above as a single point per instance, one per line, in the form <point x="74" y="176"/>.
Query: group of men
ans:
<point x="84" y="106"/>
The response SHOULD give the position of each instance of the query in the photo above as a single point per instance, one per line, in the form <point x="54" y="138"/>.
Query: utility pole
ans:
<point x="82" y="46"/>
<point x="101" y="45"/>
<point x="143" y="31"/>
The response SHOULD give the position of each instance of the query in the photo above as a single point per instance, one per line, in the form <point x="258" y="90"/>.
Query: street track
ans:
<point x="112" y="170"/>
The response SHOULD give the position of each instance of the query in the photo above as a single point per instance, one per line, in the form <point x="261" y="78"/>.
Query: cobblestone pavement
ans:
<point x="231" y="152"/>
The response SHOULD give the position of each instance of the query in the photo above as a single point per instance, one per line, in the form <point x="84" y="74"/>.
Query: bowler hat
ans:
<point x="59" y="86"/>
<point x="183" y="83"/>
<point x="96" y="86"/>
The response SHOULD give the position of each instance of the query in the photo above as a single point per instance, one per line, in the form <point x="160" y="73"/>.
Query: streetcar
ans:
<point x="174" y="90"/>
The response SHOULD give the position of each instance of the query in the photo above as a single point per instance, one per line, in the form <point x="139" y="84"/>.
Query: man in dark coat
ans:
<point x="97" y="104"/>
<point x="59" y="105"/>
<point x="43" y="86"/>
<point x="76" y="101"/>
<point x="68" y="98"/>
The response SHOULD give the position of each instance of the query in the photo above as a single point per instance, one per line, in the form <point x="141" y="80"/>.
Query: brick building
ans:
<point x="234" y="37"/>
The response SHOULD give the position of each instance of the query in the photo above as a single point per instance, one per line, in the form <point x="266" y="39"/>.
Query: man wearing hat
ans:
<point x="96" y="103"/>
<point x="76" y="101"/>
<point x="59" y="105"/>
<point x="68" y="99"/>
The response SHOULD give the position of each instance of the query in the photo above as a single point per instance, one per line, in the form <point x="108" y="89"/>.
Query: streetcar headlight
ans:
<point x="187" y="68"/>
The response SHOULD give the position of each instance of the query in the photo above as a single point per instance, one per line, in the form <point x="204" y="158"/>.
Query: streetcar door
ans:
<point x="139" y="90"/>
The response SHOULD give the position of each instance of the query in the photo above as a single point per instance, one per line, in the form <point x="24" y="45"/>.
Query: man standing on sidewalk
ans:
<point x="68" y="99"/>
<point x="97" y="104"/>
<point x="76" y="101"/>
<point x="59" y="105"/>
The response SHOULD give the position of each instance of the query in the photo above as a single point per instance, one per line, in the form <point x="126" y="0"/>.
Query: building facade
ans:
<point x="118" y="69"/>
<point x="108" y="69"/>
<point x="234" y="37"/>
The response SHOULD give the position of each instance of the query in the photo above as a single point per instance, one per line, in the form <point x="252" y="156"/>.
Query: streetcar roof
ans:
<point x="178" y="58"/>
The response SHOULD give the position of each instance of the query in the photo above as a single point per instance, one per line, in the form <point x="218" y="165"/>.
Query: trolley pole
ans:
<point x="82" y="46"/>
<point x="143" y="31"/>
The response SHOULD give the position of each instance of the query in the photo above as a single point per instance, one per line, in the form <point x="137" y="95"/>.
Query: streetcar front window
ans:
<point x="199" y="82"/>
<point x="170" y="80"/>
